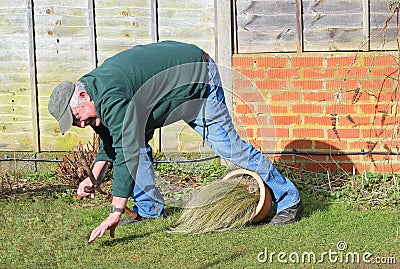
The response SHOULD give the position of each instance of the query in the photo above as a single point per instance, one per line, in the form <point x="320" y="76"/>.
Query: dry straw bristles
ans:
<point x="223" y="205"/>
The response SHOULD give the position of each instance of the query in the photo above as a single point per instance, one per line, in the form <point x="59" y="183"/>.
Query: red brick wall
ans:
<point x="320" y="102"/>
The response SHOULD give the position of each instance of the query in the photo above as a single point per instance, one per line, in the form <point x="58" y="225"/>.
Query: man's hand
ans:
<point x="111" y="222"/>
<point x="81" y="189"/>
<point x="87" y="182"/>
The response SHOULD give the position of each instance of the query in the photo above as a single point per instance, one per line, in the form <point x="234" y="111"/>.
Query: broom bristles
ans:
<point x="221" y="206"/>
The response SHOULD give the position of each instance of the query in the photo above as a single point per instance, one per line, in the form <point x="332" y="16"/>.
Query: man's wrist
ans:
<point x="118" y="210"/>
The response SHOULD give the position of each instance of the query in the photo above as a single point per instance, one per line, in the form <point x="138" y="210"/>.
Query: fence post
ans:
<point x="366" y="25"/>
<point x="32" y="75"/>
<point x="299" y="26"/>
<point x="223" y="45"/>
<point x="92" y="32"/>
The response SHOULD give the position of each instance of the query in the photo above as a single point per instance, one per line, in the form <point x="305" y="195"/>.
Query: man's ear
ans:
<point x="84" y="95"/>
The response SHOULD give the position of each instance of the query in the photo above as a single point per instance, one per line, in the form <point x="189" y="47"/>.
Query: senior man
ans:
<point x="146" y="87"/>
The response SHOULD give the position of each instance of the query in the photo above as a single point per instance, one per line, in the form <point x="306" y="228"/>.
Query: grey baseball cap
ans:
<point x="59" y="105"/>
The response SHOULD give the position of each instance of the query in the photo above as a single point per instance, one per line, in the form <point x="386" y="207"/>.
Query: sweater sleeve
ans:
<point x="106" y="151"/>
<point x="124" y="130"/>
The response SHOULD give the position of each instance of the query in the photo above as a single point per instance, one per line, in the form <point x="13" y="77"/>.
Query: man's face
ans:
<point x="86" y="114"/>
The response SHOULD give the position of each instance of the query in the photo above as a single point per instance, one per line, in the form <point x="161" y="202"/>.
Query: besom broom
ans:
<point x="239" y="198"/>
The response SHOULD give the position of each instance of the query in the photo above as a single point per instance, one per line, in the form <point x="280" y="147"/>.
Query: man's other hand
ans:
<point x="110" y="223"/>
<point x="81" y="189"/>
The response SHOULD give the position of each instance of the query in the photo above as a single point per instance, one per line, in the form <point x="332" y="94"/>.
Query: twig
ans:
<point x="353" y="178"/>
<point x="329" y="181"/>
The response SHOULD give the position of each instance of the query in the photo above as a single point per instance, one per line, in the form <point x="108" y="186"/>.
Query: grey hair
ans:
<point x="76" y="100"/>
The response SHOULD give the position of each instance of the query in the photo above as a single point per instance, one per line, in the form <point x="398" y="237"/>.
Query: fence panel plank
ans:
<point x="188" y="21"/>
<point x="266" y="26"/>
<point x="379" y="13"/>
<point x="336" y="25"/>
<point x="62" y="53"/>
<point x="15" y="114"/>
<point x="121" y="25"/>
<point x="332" y="25"/>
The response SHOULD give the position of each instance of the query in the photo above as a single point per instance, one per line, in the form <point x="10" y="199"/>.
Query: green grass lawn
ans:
<point x="50" y="230"/>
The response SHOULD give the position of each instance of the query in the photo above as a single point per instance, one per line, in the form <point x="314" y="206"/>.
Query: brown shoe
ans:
<point x="288" y="216"/>
<point x="129" y="220"/>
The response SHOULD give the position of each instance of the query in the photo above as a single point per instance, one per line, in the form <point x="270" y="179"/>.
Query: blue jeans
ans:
<point x="215" y="124"/>
<point x="149" y="202"/>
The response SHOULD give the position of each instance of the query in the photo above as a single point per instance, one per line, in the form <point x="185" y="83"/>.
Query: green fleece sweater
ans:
<point x="137" y="90"/>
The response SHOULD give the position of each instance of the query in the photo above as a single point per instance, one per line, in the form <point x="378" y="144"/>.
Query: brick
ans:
<point x="318" y="120"/>
<point x="383" y="72"/>
<point x="249" y="133"/>
<point x="358" y="145"/>
<point x="318" y="96"/>
<point x="242" y="61"/>
<point x="340" y="84"/>
<point x="382" y="146"/>
<point x="344" y="133"/>
<point x="359" y="120"/>
<point x="289" y="145"/>
<point x="282" y="132"/>
<point x="244" y="109"/>
<point x="385" y="121"/>
<point x="272" y="84"/>
<point x="251" y="97"/>
<point x="312" y="158"/>
<point x="283" y="73"/>
<point x="346" y="167"/>
<point x="242" y="84"/>
<point x="377" y="132"/>
<point x="286" y="120"/>
<point x="354" y="96"/>
<point x="393" y="168"/>
<point x="318" y="73"/>
<point x="308" y="133"/>
<point x="318" y="167"/>
<point x="263" y="120"/>
<point x="377" y="84"/>
<point x="308" y="84"/>
<point x="265" y="146"/>
<point x="339" y="158"/>
<point x="382" y="158"/>
<point x="357" y="72"/>
<point x="385" y="96"/>
<point x="245" y="133"/>
<point x="343" y="109"/>
<point x="274" y="109"/>
<point x="380" y="61"/>
<point x="340" y="61"/>
<point x="355" y="158"/>
<point x="266" y="132"/>
<point x="272" y="62"/>
<point x="306" y="61"/>
<point x="331" y="145"/>
<point x="391" y="145"/>
<point x="286" y="96"/>
<point x="373" y="108"/>
<point x="307" y="109"/>
<point x="252" y="73"/>
<point x="246" y="121"/>
<point x="288" y="160"/>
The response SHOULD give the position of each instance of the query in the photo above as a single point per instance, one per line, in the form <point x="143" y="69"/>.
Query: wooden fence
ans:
<point x="43" y="43"/>
<point x="311" y="25"/>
